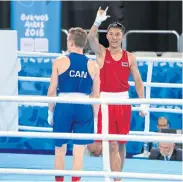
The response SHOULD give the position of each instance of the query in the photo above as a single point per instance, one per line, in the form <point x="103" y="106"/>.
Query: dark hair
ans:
<point x="116" y="25"/>
<point x="164" y="119"/>
<point x="79" y="36"/>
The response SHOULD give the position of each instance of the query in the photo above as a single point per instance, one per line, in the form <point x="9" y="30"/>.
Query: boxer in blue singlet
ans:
<point x="75" y="76"/>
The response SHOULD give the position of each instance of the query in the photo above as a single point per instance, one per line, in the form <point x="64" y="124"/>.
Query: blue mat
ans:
<point x="29" y="161"/>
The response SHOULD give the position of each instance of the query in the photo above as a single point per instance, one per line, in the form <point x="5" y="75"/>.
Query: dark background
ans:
<point x="135" y="15"/>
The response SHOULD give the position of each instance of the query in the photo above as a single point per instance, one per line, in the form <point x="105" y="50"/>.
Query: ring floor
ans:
<point x="30" y="161"/>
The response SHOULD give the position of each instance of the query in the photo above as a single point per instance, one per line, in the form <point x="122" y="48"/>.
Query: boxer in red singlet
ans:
<point x="115" y="68"/>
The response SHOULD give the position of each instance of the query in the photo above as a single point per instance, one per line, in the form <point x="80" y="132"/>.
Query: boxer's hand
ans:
<point x="143" y="109"/>
<point x="95" y="125"/>
<point x="101" y="16"/>
<point x="50" y="117"/>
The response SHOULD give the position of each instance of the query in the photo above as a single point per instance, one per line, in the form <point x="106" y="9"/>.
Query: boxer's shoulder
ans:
<point x="63" y="60"/>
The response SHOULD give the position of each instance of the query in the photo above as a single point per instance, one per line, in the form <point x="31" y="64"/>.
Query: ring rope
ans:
<point x="38" y="128"/>
<point x="167" y="110"/>
<point x="45" y="99"/>
<point x="151" y="59"/>
<point x="105" y="137"/>
<point x="155" y="84"/>
<point x="38" y="54"/>
<point x="90" y="173"/>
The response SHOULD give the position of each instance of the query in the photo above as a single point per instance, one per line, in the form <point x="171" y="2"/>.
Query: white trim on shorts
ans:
<point x="124" y="95"/>
<point x="73" y="94"/>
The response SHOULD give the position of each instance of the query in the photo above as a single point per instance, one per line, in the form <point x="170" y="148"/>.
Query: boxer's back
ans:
<point x="76" y="78"/>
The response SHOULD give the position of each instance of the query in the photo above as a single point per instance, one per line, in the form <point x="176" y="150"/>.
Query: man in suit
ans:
<point x="166" y="151"/>
<point x="162" y="123"/>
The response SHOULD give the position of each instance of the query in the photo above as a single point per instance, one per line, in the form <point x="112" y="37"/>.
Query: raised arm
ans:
<point x="96" y="47"/>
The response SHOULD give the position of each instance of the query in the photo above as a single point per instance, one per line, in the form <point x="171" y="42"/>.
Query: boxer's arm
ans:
<point x="136" y="76"/>
<point x="96" y="90"/>
<point x="96" y="47"/>
<point x="138" y="83"/>
<point x="52" y="91"/>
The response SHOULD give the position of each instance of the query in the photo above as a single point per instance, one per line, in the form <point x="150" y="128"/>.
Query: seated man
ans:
<point x="162" y="123"/>
<point x="166" y="151"/>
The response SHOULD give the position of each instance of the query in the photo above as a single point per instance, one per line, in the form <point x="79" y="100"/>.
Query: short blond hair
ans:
<point x="79" y="36"/>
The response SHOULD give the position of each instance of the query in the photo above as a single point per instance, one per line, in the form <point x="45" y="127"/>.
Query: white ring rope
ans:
<point x="34" y="128"/>
<point x="105" y="137"/>
<point x="33" y="79"/>
<point x="45" y="99"/>
<point x="180" y="111"/>
<point x="154" y="59"/>
<point x="155" y="84"/>
<point x="38" y="54"/>
<point x="48" y="129"/>
<point x="90" y="173"/>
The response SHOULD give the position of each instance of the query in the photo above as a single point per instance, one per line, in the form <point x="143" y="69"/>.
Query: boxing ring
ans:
<point x="18" y="167"/>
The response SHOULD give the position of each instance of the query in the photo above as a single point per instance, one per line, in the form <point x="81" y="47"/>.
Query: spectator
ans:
<point x="166" y="151"/>
<point x="162" y="123"/>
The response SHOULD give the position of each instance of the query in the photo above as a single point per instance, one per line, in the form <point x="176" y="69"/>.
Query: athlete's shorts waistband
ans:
<point x="124" y="95"/>
<point x="73" y="94"/>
